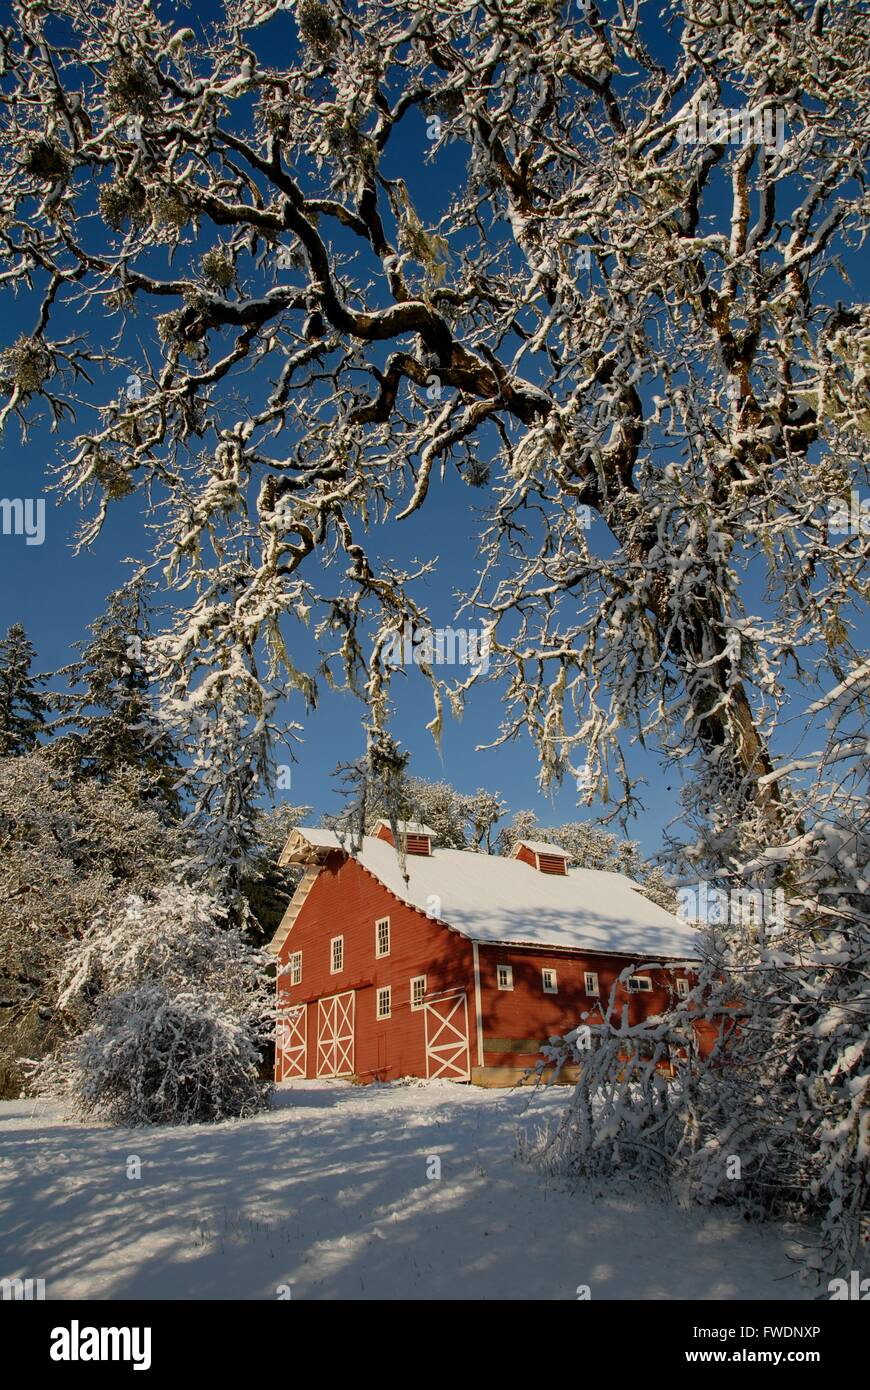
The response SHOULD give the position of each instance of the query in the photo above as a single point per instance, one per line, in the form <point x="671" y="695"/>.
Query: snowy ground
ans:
<point x="329" y="1194"/>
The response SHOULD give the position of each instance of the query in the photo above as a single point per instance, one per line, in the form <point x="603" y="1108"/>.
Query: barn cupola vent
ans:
<point x="547" y="859"/>
<point x="417" y="838"/>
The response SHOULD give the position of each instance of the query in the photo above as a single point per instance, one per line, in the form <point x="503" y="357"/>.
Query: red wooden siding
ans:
<point x="346" y="901"/>
<point x="526" y="856"/>
<point x="525" y="1014"/>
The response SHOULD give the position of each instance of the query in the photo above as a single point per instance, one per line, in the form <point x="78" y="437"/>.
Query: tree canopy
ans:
<point x="632" y="311"/>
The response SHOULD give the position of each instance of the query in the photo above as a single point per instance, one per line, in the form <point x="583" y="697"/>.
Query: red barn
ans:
<point x="463" y="967"/>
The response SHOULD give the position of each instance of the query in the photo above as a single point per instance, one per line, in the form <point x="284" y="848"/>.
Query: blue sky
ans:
<point x="56" y="593"/>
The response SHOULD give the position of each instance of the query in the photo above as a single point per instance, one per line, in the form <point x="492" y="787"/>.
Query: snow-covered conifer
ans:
<point x="23" y="707"/>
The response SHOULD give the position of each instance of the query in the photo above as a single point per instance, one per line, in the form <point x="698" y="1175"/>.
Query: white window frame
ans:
<point x="509" y="976"/>
<point x="296" y="968"/>
<point x="682" y="988"/>
<point x="333" y="968"/>
<point x="553" y="987"/>
<point x="382" y="922"/>
<point x="593" y="988"/>
<point x="416" y="980"/>
<point x="381" y="991"/>
<point x="636" y="987"/>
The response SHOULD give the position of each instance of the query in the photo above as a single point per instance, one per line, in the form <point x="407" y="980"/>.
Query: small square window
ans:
<point x="590" y="982"/>
<point x="418" y="991"/>
<point x="382" y="937"/>
<point x="336" y="960"/>
<point x="639" y="984"/>
<point x="548" y="979"/>
<point x="505" y="977"/>
<point x="296" y="968"/>
<point x="384" y="1001"/>
<point x="682" y="989"/>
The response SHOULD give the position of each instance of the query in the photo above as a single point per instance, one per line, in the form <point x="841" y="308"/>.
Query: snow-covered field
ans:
<point x="330" y="1196"/>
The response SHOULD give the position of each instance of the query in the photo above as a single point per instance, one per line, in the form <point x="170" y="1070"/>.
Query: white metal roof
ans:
<point x="492" y="899"/>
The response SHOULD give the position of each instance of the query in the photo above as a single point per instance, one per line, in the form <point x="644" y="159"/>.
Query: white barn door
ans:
<point x="447" y="1051"/>
<point x="335" y="1021"/>
<point x="292" y="1043"/>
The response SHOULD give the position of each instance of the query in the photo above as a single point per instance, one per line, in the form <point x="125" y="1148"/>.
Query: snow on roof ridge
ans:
<point x="489" y="898"/>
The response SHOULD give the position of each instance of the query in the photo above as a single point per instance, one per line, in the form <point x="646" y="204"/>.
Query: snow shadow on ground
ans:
<point x="333" y="1194"/>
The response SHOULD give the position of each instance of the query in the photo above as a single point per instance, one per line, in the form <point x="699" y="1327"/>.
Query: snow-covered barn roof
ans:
<point x="492" y="899"/>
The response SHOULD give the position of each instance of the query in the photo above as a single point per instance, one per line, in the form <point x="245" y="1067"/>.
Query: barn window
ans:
<point x="336" y="963"/>
<point x="548" y="979"/>
<point x="418" y="991"/>
<point x="505" y="977"/>
<point x="296" y="968"/>
<point x="590" y="982"/>
<point x="639" y="984"/>
<point x="384" y="999"/>
<point x="682" y="989"/>
<point x="382" y="936"/>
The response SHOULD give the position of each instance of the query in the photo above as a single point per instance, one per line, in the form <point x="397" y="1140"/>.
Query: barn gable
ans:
<point x="369" y="986"/>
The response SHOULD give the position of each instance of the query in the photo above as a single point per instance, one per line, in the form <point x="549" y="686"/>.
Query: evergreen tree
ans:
<point x="108" y="713"/>
<point x="22" y="707"/>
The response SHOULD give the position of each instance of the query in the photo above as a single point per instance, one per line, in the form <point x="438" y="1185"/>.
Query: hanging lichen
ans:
<point x="122" y="201"/>
<point x="129" y="86"/>
<point x="316" y="28"/>
<point x="111" y="475"/>
<point x="217" y="268"/>
<point x="25" y="366"/>
<point x="46" y="161"/>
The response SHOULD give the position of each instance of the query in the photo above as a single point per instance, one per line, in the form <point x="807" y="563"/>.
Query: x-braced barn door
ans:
<point x="292" y="1043"/>
<point x="335" y="1019"/>
<point x="447" y="1051"/>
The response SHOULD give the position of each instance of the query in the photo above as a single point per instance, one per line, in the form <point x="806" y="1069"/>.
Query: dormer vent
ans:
<point x="547" y="859"/>
<point x="417" y="838"/>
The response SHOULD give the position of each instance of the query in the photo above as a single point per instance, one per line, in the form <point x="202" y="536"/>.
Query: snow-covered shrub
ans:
<point x="172" y="1012"/>
<point x="66" y="848"/>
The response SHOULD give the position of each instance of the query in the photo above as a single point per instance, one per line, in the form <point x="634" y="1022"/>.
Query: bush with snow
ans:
<point x="172" y="1011"/>
<point x="66" y="849"/>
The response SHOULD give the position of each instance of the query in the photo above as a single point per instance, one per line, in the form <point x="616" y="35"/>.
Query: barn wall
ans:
<point x="516" y="1021"/>
<point x="345" y="900"/>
